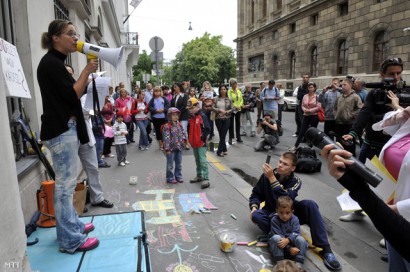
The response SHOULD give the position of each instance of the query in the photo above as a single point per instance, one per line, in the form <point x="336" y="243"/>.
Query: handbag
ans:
<point x="79" y="197"/>
<point x="321" y="114"/>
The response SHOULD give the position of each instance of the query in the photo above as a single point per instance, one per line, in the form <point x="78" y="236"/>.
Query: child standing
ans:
<point x="120" y="139"/>
<point x="199" y="130"/>
<point x="173" y="137"/>
<point x="285" y="239"/>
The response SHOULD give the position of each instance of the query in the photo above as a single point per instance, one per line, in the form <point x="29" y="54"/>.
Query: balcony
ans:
<point x="131" y="38"/>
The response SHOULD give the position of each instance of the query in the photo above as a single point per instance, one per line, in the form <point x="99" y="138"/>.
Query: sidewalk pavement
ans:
<point x="184" y="240"/>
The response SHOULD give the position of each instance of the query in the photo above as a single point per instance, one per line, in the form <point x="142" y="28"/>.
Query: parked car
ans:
<point x="289" y="101"/>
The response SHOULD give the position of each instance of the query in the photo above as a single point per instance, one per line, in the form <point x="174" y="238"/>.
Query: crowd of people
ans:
<point x="182" y="118"/>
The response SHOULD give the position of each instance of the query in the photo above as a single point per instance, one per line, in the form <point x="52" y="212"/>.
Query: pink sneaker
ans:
<point x="89" y="227"/>
<point x="89" y="244"/>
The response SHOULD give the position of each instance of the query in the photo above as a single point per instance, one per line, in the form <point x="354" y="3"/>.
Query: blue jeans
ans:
<point x="396" y="262"/>
<point x="63" y="149"/>
<point x="279" y="254"/>
<point x="174" y="156"/>
<point x="142" y="125"/>
<point x="99" y="145"/>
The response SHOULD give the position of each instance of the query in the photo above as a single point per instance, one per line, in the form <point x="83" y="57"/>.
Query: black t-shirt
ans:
<point x="60" y="101"/>
<point x="267" y="129"/>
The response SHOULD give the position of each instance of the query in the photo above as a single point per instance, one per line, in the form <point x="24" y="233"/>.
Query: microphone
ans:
<point x="320" y="139"/>
<point x="376" y="85"/>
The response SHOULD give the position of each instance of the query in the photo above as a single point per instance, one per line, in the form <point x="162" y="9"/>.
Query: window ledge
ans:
<point x="25" y="164"/>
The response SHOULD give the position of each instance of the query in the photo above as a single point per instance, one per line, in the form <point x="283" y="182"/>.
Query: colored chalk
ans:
<point x="242" y="243"/>
<point x="233" y="216"/>
<point x="252" y="243"/>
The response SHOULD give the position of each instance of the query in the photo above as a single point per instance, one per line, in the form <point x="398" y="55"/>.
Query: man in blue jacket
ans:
<point x="282" y="181"/>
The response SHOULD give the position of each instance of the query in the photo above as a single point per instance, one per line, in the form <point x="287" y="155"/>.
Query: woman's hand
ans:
<point x="394" y="100"/>
<point x="336" y="160"/>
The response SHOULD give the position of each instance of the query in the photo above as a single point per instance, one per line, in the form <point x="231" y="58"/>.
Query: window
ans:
<point x="256" y="64"/>
<point x="342" y="58"/>
<point x="314" y="19"/>
<point x="344" y="8"/>
<point x="278" y="4"/>
<point x="264" y="8"/>
<point x="260" y="40"/>
<point x="292" y="28"/>
<point x="252" y="12"/>
<point x="275" y="66"/>
<point x="313" y="62"/>
<point x="292" y="66"/>
<point x="380" y="45"/>
<point x="275" y="35"/>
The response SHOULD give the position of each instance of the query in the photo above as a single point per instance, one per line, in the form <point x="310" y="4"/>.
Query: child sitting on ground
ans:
<point x="285" y="240"/>
<point x="120" y="140"/>
<point x="173" y="137"/>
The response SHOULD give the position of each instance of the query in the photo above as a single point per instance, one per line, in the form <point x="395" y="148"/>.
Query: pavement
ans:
<point x="184" y="240"/>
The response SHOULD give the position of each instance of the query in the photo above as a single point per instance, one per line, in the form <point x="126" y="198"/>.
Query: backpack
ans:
<point x="307" y="161"/>
<point x="276" y="92"/>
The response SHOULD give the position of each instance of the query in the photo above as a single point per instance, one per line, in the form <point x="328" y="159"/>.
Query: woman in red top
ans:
<point x="310" y="107"/>
<point x="124" y="104"/>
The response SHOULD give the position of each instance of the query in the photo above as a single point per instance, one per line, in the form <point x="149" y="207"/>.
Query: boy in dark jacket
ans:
<point x="281" y="181"/>
<point x="199" y="130"/>
<point x="285" y="240"/>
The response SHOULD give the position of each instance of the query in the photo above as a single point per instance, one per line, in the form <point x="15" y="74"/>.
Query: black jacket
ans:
<point x="181" y="105"/>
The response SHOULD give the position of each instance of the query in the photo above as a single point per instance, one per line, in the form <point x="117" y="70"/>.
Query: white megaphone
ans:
<point x="111" y="55"/>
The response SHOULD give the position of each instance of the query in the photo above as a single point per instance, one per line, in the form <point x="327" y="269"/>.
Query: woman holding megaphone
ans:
<point x="62" y="128"/>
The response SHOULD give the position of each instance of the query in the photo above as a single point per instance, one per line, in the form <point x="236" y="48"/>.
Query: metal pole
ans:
<point x="156" y="59"/>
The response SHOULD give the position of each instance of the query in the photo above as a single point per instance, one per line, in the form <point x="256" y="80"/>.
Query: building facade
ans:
<point x="100" y="22"/>
<point x="280" y="39"/>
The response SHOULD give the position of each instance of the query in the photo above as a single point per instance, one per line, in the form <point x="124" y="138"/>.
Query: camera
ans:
<point x="399" y="89"/>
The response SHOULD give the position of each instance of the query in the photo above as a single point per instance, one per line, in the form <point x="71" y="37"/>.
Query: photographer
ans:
<point x="372" y="112"/>
<point x="271" y="138"/>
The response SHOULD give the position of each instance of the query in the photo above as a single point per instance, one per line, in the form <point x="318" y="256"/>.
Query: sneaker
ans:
<point x="121" y="164"/>
<point x="205" y="184"/>
<point x="111" y="155"/>
<point x="294" y="135"/>
<point x="196" y="179"/>
<point x="89" y="244"/>
<point x="352" y="217"/>
<point x="382" y="243"/>
<point x="330" y="261"/>
<point x="104" y="165"/>
<point x="180" y="180"/>
<point x="147" y="147"/>
<point x="141" y="148"/>
<point x="293" y="149"/>
<point x="104" y="204"/>
<point x="126" y="162"/>
<point x="102" y="157"/>
<point x="172" y="181"/>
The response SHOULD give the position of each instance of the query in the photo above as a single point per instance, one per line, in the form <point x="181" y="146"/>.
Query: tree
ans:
<point x="143" y="66"/>
<point x="202" y="59"/>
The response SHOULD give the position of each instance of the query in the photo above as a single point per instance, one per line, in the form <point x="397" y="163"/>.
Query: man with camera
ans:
<point x="270" y="128"/>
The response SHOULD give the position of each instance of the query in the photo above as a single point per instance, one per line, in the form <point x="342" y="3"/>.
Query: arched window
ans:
<point x="342" y="58"/>
<point x="275" y="67"/>
<point x="292" y="66"/>
<point x="380" y="49"/>
<point x="313" y="62"/>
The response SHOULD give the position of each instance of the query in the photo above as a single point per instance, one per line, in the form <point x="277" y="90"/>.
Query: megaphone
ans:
<point x="111" y="55"/>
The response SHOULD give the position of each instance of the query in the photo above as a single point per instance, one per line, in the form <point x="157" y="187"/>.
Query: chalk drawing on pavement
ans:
<point x="195" y="201"/>
<point x="181" y="267"/>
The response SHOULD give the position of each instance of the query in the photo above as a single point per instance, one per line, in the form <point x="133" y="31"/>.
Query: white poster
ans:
<point x="16" y="84"/>
<point x="102" y="84"/>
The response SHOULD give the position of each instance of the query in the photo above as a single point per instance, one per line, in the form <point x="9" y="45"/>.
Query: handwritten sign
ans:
<point x="16" y="84"/>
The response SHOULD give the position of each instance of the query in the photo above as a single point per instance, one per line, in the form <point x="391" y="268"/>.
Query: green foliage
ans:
<point x="202" y="59"/>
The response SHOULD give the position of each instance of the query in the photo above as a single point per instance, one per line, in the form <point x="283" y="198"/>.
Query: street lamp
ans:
<point x="190" y="27"/>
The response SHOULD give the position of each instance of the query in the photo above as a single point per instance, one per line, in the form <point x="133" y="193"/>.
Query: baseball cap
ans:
<point x="192" y="102"/>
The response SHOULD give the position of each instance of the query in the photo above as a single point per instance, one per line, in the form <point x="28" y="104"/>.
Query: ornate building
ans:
<point x="280" y="39"/>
